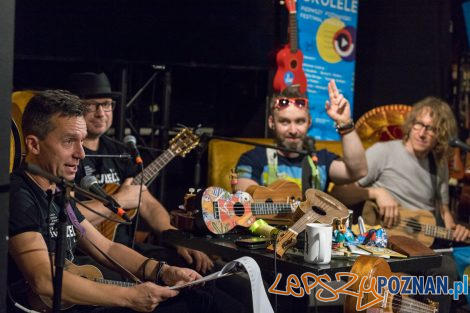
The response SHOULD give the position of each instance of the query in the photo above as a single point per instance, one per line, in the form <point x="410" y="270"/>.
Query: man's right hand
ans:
<point x="148" y="296"/>
<point x="388" y="207"/>
<point x="128" y="194"/>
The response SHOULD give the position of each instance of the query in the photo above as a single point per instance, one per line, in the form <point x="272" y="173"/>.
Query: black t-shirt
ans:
<point x="33" y="210"/>
<point x="109" y="171"/>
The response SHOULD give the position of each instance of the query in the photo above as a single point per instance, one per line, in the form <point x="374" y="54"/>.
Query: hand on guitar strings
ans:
<point x="388" y="207"/>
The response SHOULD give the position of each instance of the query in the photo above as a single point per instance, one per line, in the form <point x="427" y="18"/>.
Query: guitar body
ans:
<point x="289" y="70"/>
<point x="411" y="222"/>
<point x="279" y="191"/>
<point x="45" y="304"/>
<point x="180" y="145"/>
<point x="107" y="227"/>
<point x="371" y="266"/>
<point x="222" y="211"/>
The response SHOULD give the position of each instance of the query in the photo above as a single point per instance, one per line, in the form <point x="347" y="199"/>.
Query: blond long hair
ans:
<point x="444" y="121"/>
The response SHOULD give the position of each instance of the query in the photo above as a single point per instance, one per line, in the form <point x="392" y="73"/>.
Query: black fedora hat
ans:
<point x="91" y="85"/>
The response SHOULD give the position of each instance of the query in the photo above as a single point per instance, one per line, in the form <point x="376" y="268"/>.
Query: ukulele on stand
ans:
<point x="289" y="59"/>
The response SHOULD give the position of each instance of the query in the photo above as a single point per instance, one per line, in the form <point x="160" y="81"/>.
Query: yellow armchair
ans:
<point x="223" y="156"/>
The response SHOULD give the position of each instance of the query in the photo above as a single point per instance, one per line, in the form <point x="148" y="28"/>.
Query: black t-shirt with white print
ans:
<point x="33" y="210"/>
<point x="109" y="170"/>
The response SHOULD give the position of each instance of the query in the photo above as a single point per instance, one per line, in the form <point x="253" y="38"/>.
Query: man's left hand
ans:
<point x="338" y="106"/>
<point x="201" y="261"/>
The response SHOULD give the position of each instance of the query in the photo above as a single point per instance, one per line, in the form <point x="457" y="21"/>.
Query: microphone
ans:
<point x="457" y="143"/>
<point x="131" y="143"/>
<point x="91" y="183"/>
<point x="309" y="144"/>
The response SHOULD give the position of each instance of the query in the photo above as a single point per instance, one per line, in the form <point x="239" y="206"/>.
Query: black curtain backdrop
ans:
<point x="221" y="55"/>
<point x="7" y="9"/>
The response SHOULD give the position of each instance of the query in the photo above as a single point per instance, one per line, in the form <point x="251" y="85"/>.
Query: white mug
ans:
<point x="318" y="239"/>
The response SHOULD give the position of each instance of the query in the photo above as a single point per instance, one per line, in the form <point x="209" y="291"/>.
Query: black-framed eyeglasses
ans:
<point x="417" y="125"/>
<point x="107" y="106"/>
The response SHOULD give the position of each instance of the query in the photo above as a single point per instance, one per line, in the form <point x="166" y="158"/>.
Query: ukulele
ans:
<point x="289" y="59"/>
<point x="318" y="207"/>
<point x="180" y="145"/>
<point x="370" y="266"/>
<point x="90" y="272"/>
<point x="279" y="191"/>
<point x="417" y="224"/>
<point x="222" y="210"/>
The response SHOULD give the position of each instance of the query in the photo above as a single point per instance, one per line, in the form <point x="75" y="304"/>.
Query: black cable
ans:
<point x="109" y="218"/>
<point x="138" y="205"/>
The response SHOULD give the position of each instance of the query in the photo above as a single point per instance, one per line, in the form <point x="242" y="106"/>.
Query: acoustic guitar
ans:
<point x="222" y="210"/>
<point x="180" y="145"/>
<point x="279" y="191"/>
<point x="289" y="59"/>
<point x="370" y="266"/>
<point x="318" y="207"/>
<point x="418" y="224"/>
<point x="90" y="272"/>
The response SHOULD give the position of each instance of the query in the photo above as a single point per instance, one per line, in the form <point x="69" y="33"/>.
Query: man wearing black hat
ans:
<point x="96" y="92"/>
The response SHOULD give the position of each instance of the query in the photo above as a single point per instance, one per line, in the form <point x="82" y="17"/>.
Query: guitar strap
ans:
<point x="435" y="187"/>
<point x="310" y="172"/>
<point x="74" y="220"/>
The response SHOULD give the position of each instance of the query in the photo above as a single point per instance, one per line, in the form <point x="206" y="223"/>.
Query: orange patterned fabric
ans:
<point x="382" y="123"/>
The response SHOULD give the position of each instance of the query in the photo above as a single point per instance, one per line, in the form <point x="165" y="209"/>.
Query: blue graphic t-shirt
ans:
<point x="254" y="165"/>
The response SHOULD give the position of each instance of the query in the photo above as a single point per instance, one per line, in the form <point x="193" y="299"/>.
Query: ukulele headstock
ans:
<point x="183" y="142"/>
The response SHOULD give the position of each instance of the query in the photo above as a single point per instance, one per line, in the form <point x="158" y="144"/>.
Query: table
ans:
<point x="224" y="246"/>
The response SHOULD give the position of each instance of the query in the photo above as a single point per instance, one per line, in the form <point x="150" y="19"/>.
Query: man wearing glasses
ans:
<point x="290" y="119"/>
<point x="95" y="90"/>
<point x="413" y="173"/>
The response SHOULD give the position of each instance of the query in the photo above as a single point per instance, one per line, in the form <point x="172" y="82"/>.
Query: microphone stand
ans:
<point x="60" y="247"/>
<point x="65" y="188"/>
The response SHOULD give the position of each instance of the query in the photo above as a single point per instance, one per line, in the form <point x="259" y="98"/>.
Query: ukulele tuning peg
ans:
<point x="191" y="190"/>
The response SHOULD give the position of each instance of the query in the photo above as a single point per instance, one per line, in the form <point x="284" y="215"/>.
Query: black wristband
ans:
<point x="144" y="265"/>
<point x="158" y="276"/>
<point x="345" y="128"/>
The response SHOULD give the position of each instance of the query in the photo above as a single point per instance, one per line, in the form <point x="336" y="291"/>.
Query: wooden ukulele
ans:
<point x="289" y="59"/>
<point x="90" y="272"/>
<point x="318" y="207"/>
<point x="278" y="192"/>
<point x="180" y="145"/>
<point x="370" y="266"/>
<point x="222" y="210"/>
<point x="417" y="224"/>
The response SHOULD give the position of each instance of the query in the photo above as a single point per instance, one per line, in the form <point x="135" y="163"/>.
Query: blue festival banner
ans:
<point x="327" y="38"/>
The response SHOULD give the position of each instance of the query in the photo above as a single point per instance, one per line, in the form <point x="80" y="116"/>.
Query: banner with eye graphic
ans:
<point x="327" y="38"/>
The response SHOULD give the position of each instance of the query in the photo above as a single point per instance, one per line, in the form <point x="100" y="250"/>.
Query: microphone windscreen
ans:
<point x="130" y="139"/>
<point x="88" y="181"/>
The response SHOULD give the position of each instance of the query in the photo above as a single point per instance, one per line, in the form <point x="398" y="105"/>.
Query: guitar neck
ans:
<point x="114" y="282"/>
<point x="308" y="217"/>
<point x="440" y="232"/>
<point x="153" y="168"/>
<point x="293" y="32"/>
<point x="266" y="208"/>
<point x="402" y="304"/>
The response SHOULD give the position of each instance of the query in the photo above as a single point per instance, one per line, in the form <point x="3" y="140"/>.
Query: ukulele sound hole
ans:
<point x="239" y="209"/>
<point x="269" y="200"/>
<point x="318" y="210"/>
<point x="293" y="64"/>
<point x="413" y="226"/>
